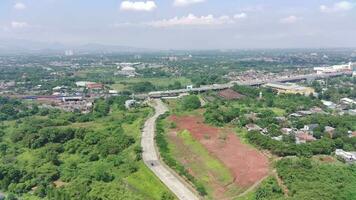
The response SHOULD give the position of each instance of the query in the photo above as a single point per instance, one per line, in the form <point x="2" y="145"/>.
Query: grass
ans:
<point x="147" y="183"/>
<point x="278" y="111"/>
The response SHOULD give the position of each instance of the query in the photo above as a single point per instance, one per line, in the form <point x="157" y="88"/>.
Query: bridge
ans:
<point x="170" y="93"/>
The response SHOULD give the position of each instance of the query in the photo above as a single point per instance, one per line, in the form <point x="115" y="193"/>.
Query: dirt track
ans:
<point x="247" y="164"/>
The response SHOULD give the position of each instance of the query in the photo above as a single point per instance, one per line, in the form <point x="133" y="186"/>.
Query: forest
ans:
<point x="51" y="154"/>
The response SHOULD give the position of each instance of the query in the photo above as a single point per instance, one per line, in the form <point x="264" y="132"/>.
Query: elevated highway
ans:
<point x="169" y="93"/>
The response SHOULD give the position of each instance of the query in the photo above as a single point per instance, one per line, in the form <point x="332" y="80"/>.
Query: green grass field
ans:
<point x="147" y="183"/>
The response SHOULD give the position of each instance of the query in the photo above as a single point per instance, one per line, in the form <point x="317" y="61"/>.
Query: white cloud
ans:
<point x="192" y="20"/>
<point x="337" y="7"/>
<point x="19" y="6"/>
<point x="138" y="5"/>
<point x="290" y="19"/>
<point x="240" y="16"/>
<point x="18" y="25"/>
<point x="186" y="2"/>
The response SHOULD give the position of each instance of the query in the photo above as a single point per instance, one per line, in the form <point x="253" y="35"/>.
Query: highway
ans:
<point x="150" y="156"/>
<point x="167" y="93"/>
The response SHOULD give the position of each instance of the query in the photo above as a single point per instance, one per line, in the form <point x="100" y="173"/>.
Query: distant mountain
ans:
<point x="12" y="46"/>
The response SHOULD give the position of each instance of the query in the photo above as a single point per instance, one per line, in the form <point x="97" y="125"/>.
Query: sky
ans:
<point x="183" y="24"/>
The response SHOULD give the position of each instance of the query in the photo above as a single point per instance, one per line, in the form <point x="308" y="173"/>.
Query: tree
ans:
<point x="190" y="102"/>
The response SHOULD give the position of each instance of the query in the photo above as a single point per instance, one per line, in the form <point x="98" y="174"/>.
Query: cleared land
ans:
<point x="247" y="165"/>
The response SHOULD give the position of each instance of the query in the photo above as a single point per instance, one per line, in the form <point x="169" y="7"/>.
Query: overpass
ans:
<point x="169" y="93"/>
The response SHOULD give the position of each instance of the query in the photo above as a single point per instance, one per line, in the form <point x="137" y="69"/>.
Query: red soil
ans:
<point x="247" y="164"/>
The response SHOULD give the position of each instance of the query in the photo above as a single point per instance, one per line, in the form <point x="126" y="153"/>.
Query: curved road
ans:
<point x="152" y="161"/>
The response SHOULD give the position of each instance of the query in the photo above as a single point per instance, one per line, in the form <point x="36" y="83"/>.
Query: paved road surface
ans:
<point x="150" y="157"/>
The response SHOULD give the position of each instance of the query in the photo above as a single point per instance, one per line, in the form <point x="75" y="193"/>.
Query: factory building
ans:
<point x="290" y="88"/>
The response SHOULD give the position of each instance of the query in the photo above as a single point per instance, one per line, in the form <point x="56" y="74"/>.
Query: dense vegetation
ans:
<point x="14" y="109"/>
<point x="58" y="156"/>
<point x="189" y="103"/>
<point x="307" y="179"/>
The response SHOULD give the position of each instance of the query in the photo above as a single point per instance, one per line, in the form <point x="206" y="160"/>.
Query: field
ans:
<point x="205" y="150"/>
<point x="214" y="175"/>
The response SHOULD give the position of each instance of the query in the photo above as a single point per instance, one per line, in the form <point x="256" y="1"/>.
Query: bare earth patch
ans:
<point x="247" y="164"/>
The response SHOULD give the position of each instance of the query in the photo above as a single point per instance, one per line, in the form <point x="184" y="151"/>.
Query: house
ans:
<point x="251" y="116"/>
<point x="310" y="127"/>
<point x="347" y="101"/>
<point x="317" y="110"/>
<point x="286" y="131"/>
<point x="304" y="112"/>
<point x="253" y="127"/>
<point x="83" y="83"/>
<point x="278" y="138"/>
<point x="230" y="94"/>
<point x="95" y="86"/>
<point x="329" y="104"/>
<point x="349" y="157"/>
<point x="127" y="70"/>
<point x="130" y="103"/>
<point x="303" y="137"/>
<point x="113" y="92"/>
<point x="330" y="130"/>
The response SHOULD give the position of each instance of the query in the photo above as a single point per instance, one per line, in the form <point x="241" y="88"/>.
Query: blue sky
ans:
<point x="183" y="24"/>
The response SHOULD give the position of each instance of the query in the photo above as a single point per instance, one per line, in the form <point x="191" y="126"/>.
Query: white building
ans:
<point x="347" y="101"/>
<point x="334" y="68"/>
<point x="83" y="83"/>
<point x="127" y="71"/>
<point x="69" y="52"/>
<point x="349" y="157"/>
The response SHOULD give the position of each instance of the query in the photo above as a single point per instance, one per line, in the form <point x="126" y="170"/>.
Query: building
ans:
<point x="330" y="130"/>
<point x="347" y="101"/>
<point x="83" y="83"/>
<point x="334" y="68"/>
<point x="69" y="52"/>
<point x="290" y="88"/>
<point x="349" y="157"/>
<point x="127" y="71"/>
<point x="303" y="137"/>
<point x="329" y="104"/>
<point x="253" y="127"/>
<point x="130" y="103"/>
<point x="95" y="86"/>
<point x="310" y="127"/>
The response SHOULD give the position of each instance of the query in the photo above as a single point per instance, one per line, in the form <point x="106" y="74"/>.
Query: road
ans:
<point x="159" y="94"/>
<point x="152" y="161"/>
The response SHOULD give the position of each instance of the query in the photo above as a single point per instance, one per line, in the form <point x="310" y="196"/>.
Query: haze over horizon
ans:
<point x="182" y="24"/>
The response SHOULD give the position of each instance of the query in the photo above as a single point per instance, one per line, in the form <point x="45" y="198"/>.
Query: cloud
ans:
<point x="138" y="5"/>
<point x="240" y="16"/>
<point x="337" y="7"/>
<point x="19" y="25"/>
<point x="290" y="19"/>
<point x="192" y="20"/>
<point x="19" y="6"/>
<point x="186" y="2"/>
